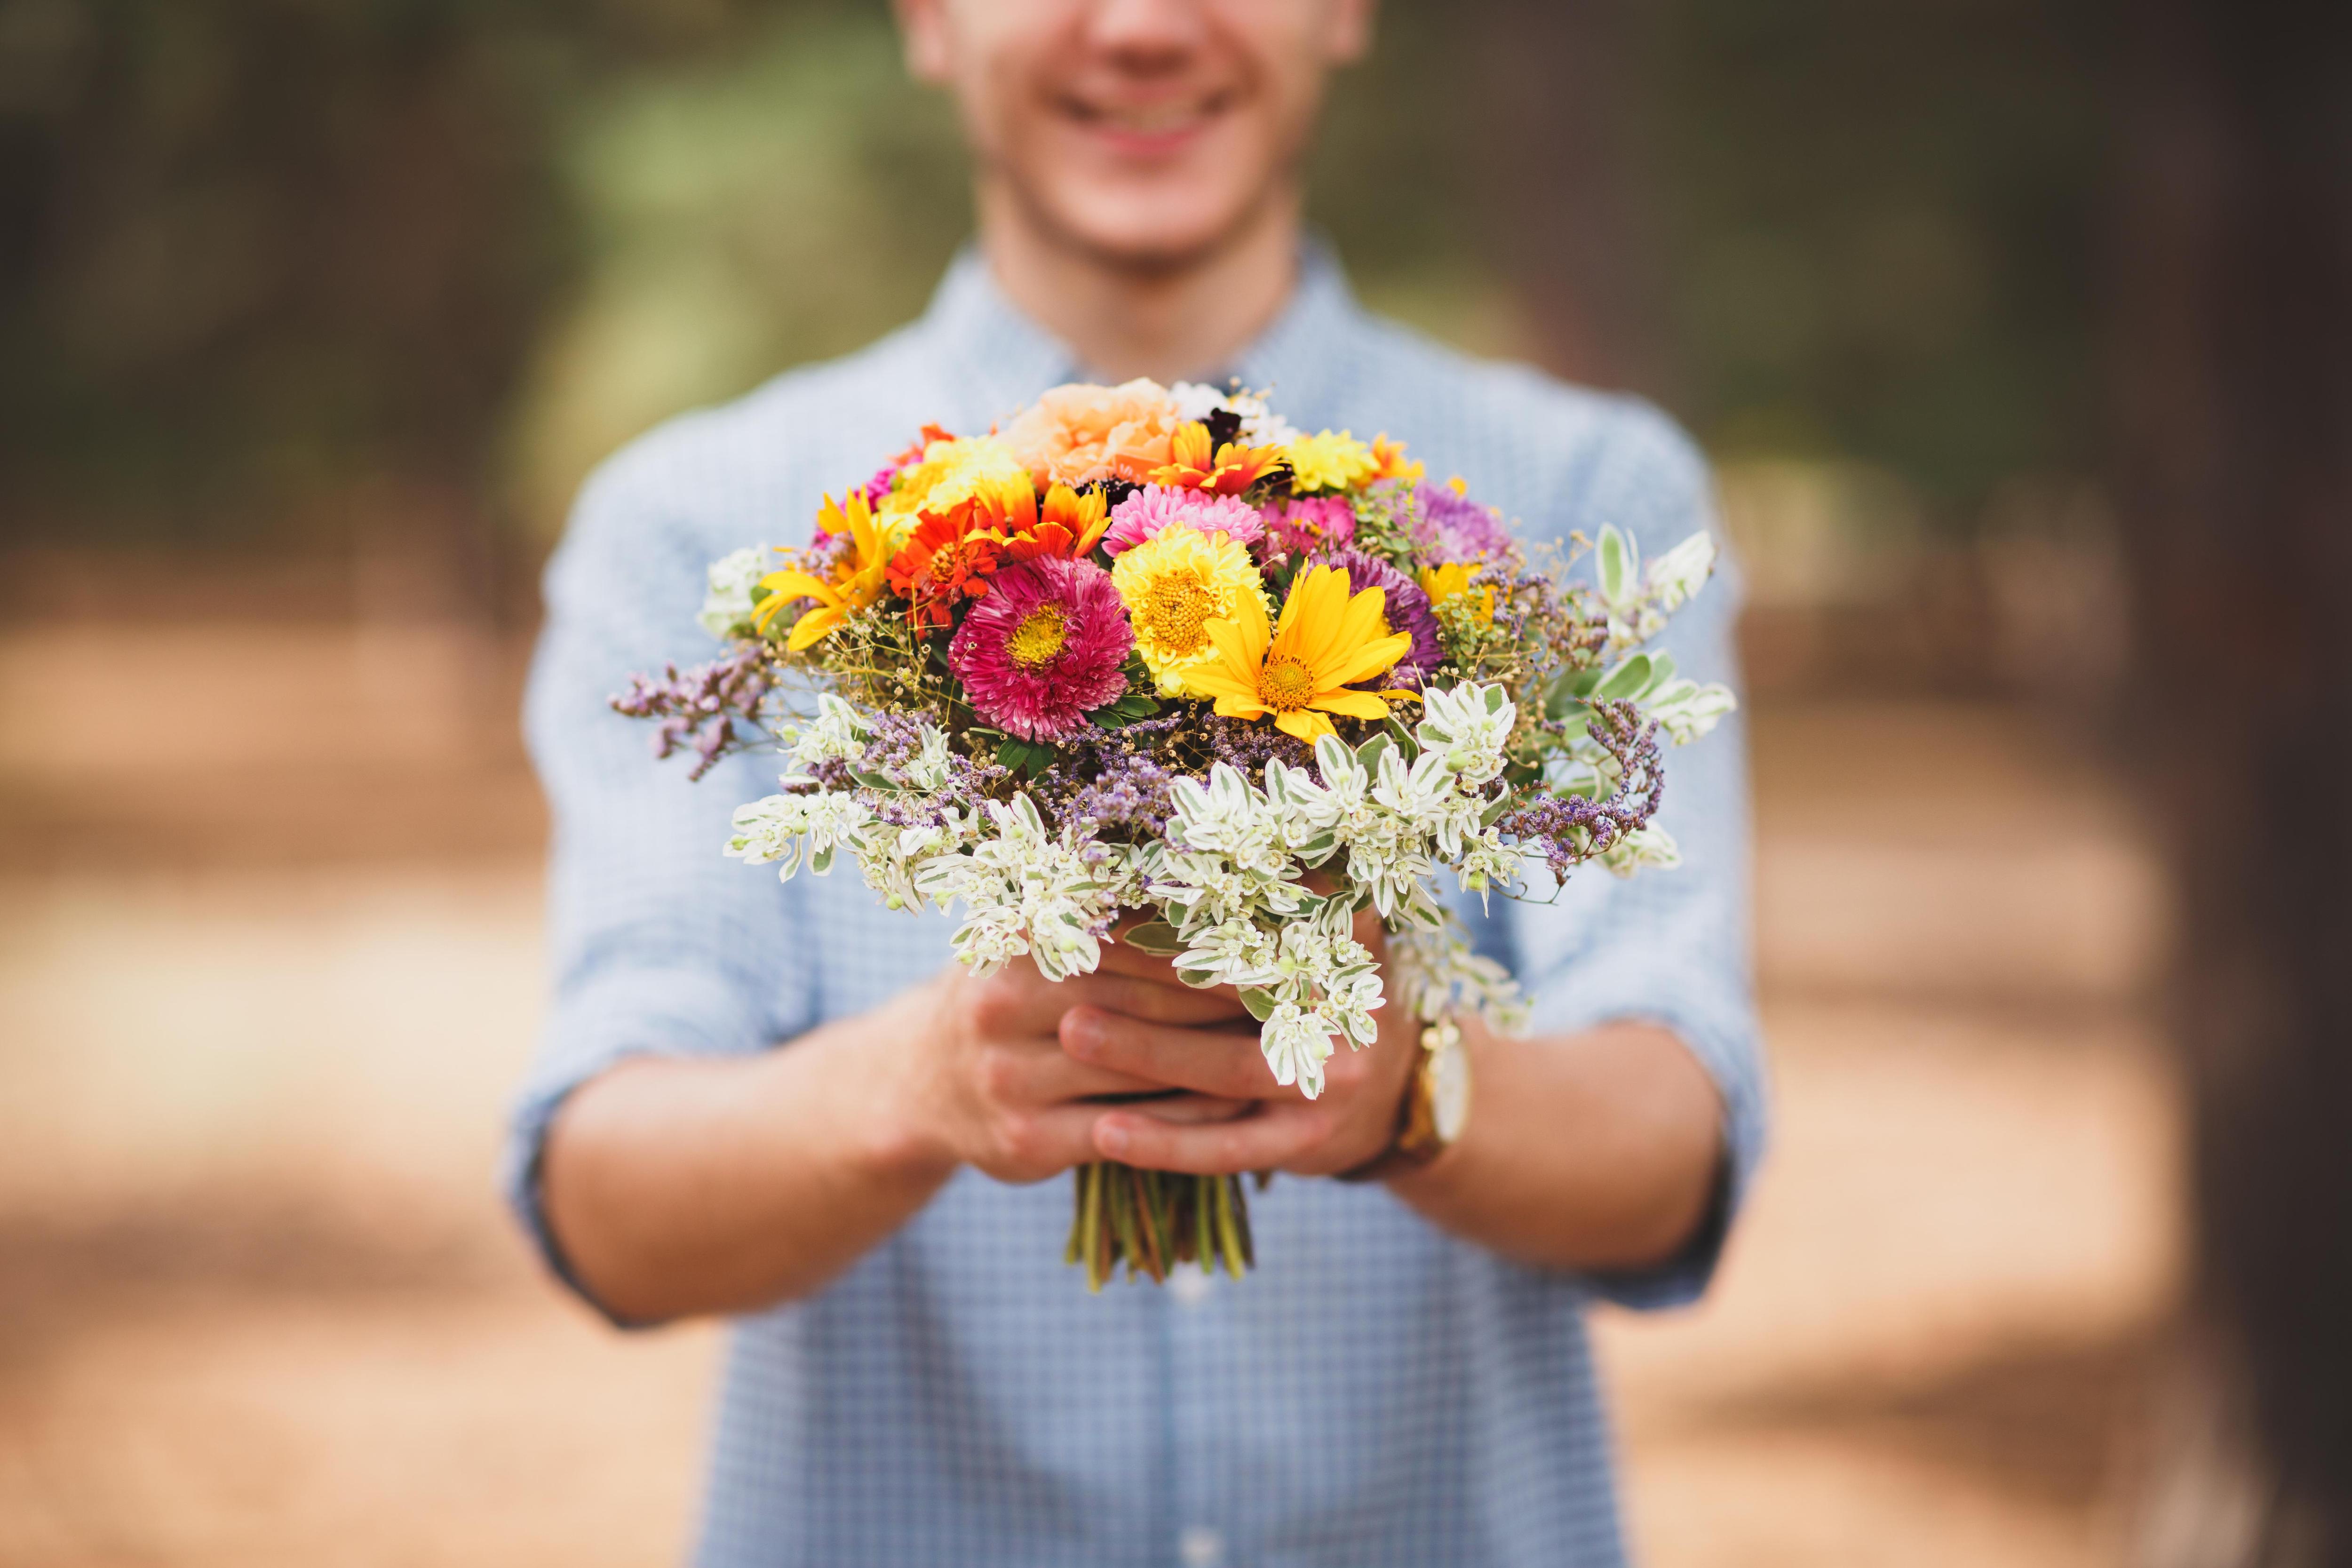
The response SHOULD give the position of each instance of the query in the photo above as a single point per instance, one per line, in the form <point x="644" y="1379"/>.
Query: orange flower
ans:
<point x="950" y="555"/>
<point x="1076" y="434"/>
<point x="1389" y="456"/>
<point x="1232" y="470"/>
<point x="1071" y="525"/>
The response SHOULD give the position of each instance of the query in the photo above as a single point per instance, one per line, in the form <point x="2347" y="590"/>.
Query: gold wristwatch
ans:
<point x="1436" y="1110"/>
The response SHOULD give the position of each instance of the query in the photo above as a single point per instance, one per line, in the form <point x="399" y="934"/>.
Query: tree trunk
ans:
<point x="2235" y="472"/>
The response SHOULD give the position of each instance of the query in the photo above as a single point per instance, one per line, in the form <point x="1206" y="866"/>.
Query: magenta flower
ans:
<point x="1311" y="526"/>
<point x="1155" y="507"/>
<point x="1404" y="606"/>
<point x="1044" y="647"/>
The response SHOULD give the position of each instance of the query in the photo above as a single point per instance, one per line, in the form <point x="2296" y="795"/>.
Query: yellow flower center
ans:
<point x="1286" y="684"/>
<point x="1039" y="637"/>
<point x="1176" y="607"/>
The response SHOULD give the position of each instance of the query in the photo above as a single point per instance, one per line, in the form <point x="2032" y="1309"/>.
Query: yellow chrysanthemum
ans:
<point x="1326" y="641"/>
<point x="1174" y="583"/>
<point x="858" y="581"/>
<point x="954" y="470"/>
<point x="1452" y="579"/>
<point x="1328" y="462"/>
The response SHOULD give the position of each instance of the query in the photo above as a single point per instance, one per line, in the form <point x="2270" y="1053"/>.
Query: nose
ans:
<point x="1146" y="31"/>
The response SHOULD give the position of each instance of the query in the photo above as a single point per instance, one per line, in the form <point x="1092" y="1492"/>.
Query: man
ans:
<point x="779" y="1100"/>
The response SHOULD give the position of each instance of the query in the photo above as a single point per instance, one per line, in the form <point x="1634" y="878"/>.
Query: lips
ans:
<point x="1156" y="127"/>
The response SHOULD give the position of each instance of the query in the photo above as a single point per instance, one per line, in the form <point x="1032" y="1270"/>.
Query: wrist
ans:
<point x="899" y="1137"/>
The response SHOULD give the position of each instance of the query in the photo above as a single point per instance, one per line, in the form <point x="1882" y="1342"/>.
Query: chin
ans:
<point x="1150" y="225"/>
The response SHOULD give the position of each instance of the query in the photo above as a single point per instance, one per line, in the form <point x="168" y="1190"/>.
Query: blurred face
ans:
<point x="1143" y="131"/>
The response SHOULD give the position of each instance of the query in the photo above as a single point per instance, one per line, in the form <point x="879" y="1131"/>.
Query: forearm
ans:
<point x="676" y="1187"/>
<point x="1598" y="1150"/>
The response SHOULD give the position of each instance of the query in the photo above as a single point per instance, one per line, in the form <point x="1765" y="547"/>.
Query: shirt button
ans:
<point x="1190" y="1287"/>
<point x="1200" y="1547"/>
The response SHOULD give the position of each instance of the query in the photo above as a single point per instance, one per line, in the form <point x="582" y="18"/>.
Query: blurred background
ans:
<point x="2016" y="330"/>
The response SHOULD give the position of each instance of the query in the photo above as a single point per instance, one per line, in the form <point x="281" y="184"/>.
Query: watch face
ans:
<point x="1449" y="1092"/>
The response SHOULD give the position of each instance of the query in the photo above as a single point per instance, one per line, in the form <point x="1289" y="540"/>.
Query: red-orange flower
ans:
<point x="950" y="556"/>
<point x="1232" y="470"/>
<point x="1070" y="525"/>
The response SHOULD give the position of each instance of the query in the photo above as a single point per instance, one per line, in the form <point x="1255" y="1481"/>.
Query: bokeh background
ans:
<point x="2008" y="325"/>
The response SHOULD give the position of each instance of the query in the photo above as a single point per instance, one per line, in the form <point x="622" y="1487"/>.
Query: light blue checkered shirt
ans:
<point x="1376" y="1392"/>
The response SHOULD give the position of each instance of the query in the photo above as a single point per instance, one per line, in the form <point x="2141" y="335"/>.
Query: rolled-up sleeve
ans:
<point x="1671" y="947"/>
<point x="658" y="944"/>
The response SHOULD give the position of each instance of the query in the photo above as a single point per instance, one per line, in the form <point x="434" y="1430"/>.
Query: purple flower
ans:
<point x="1448" y="527"/>
<point x="1304" y="527"/>
<point x="1404" y="607"/>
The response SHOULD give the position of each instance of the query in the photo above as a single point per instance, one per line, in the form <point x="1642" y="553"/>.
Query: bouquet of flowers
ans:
<point x="1150" y="661"/>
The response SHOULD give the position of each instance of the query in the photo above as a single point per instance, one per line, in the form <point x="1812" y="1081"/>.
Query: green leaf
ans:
<point x="872" y="781"/>
<point x="1407" y="747"/>
<point x="1627" y="679"/>
<point x="1157" y="938"/>
<point x="1493" y="814"/>
<point x="1259" y="1001"/>
<point x="1370" y="753"/>
<point x="1198" y="979"/>
<point x="1616" y="559"/>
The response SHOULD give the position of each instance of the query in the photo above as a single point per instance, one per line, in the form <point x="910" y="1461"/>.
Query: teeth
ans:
<point x="1153" y="121"/>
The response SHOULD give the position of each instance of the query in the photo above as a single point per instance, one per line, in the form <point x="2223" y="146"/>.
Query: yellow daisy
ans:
<point x="858" y="581"/>
<point x="1326" y="641"/>
<point x="1444" y="583"/>
<point x="1173" y="585"/>
<point x="955" y="470"/>
<point x="1328" y="462"/>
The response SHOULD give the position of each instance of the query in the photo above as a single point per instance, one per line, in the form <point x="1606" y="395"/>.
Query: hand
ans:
<point x="990" y="1086"/>
<point x="1350" y="1122"/>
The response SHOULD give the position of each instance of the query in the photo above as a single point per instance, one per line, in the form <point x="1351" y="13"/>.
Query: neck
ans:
<point x="1170" y="320"/>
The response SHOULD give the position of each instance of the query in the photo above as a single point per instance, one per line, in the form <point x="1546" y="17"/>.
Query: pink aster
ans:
<point x="1154" y="507"/>
<point x="1044" y="647"/>
<point x="1315" y="525"/>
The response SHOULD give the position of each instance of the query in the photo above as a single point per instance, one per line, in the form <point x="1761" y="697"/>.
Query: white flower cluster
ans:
<point x="727" y="608"/>
<point x="1229" y="876"/>
<point x="773" y="830"/>
<point x="1261" y="426"/>
<point x="838" y="734"/>
<point x="1052" y="895"/>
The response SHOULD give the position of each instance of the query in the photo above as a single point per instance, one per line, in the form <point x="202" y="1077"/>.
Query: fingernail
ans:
<point x="1081" y="1031"/>
<point x="1110" y="1137"/>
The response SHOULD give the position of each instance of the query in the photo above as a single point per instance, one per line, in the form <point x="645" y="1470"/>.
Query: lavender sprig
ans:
<point x="704" y="706"/>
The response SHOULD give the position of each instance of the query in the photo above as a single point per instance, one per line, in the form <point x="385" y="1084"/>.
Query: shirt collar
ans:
<point x="1006" y="359"/>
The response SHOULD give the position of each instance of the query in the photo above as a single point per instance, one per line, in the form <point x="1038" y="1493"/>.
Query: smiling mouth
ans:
<point x="1149" y="125"/>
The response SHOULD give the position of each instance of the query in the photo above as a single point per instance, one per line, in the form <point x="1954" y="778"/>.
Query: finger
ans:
<point x="1158" y="997"/>
<point x="1272" y="1138"/>
<point x="1034" y="1145"/>
<point x="1038" y="1072"/>
<point x="1190" y="1109"/>
<point x="1215" y="1061"/>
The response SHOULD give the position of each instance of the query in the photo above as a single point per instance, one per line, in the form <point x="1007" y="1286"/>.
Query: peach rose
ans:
<point x="1077" y="433"/>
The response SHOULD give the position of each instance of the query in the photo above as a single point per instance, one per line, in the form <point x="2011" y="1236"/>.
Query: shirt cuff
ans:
<point x="612" y="1018"/>
<point x="1725" y="1041"/>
